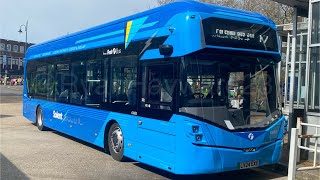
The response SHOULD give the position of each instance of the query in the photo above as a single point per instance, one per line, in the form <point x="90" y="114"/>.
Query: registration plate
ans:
<point x="249" y="164"/>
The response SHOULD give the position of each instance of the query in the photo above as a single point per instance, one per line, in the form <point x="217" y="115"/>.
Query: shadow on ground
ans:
<point x="9" y="170"/>
<point x="247" y="174"/>
<point x="5" y="116"/>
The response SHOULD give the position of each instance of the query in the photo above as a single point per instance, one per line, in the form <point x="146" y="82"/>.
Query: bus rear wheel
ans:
<point x="116" y="142"/>
<point x="39" y="119"/>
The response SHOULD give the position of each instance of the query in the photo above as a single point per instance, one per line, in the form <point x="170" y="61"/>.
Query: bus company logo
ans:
<point x="57" y="115"/>
<point x="251" y="136"/>
<point x="113" y="51"/>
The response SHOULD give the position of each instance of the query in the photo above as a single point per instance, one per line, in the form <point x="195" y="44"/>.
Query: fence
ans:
<point x="295" y="146"/>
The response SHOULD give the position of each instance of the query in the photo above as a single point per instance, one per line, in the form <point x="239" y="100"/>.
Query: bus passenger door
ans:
<point x="156" y="133"/>
<point x="27" y="99"/>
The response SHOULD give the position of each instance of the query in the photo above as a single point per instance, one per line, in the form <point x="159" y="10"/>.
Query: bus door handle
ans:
<point x="139" y="122"/>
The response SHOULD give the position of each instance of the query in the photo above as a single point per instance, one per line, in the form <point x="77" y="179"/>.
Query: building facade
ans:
<point x="11" y="57"/>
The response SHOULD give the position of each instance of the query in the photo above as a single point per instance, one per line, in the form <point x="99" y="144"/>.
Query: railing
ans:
<point x="295" y="147"/>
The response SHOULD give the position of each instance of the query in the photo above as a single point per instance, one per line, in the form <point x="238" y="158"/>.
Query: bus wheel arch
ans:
<point x="114" y="140"/>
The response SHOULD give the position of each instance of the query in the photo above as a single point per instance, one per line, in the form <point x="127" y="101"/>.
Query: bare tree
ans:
<point x="287" y="14"/>
<point x="279" y="13"/>
<point x="163" y="2"/>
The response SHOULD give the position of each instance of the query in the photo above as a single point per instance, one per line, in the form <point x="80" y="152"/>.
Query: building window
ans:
<point x="20" y="62"/>
<point x="22" y="49"/>
<point x="2" y="46"/>
<point x="8" y="47"/>
<point x="9" y="62"/>
<point x="15" y="48"/>
<point x="315" y="31"/>
<point x="314" y="85"/>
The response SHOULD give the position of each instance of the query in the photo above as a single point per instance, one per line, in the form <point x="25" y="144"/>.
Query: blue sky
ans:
<point x="49" y="19"/>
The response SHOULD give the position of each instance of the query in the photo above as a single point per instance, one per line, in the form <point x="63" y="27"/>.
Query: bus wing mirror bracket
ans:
<point x="166" y="49"/>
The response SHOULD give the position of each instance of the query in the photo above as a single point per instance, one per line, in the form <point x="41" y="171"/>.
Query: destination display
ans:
<point x="238" y="34"/>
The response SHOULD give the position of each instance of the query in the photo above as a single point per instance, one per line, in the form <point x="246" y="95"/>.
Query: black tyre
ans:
<point x="116" y="142"/>
<point x="39" y="119"/>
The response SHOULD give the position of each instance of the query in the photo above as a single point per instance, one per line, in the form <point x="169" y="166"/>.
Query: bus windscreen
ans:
<point x="239" y="34"/>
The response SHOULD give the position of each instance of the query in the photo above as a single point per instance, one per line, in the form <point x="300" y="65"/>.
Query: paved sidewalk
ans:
<point x="16" y="87"/>
<point x="307" y="174"/>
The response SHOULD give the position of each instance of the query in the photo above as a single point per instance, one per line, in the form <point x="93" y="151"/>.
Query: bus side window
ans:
<point x="63" y="83"/>
<point x="105" y="80"/>
<point x="93" y="83"/>
<point x="31" y="72"/>
<point x="123" y="80"/>
<point x="51" y="82"/>
<point x="78" y="78"/>
<point x="159" y="87"/>
<point x="41" y="81"/>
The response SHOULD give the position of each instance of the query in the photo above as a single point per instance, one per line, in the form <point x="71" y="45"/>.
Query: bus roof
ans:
<point x="168" y="10"/>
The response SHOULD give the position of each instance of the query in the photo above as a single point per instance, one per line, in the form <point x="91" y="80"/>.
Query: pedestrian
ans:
<point x="19" y="81"/>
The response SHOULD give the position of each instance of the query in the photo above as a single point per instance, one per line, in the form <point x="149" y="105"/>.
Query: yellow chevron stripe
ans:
<point x="128" y="28"/>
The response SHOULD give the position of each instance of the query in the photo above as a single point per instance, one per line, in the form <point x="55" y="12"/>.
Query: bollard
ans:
<point x="299" y="127"/>
<point x="293" y="155"/>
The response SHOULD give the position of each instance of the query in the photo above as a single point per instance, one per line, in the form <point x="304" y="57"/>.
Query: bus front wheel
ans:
<point x="39" y="119"/>
<point x="116" y="142"/>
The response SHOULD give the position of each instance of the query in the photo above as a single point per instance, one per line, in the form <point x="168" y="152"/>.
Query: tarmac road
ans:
<point x="10" y="94"/>
<point x="27" y="153"/>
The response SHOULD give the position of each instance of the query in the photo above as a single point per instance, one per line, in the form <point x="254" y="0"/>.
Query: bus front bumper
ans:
<point x="207" y="160"/>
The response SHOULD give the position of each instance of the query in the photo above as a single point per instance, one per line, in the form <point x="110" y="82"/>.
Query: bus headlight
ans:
<point x="195" y="129"/>
<point x="195" y="133"/>
<point x="198" y="137"/>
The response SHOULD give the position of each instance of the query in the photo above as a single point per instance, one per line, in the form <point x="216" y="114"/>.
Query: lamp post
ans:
<point x="25" y="43"/>
<point x="26" y="30"/>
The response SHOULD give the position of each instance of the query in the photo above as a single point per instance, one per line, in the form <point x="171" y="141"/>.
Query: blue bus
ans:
<point x="173" y="87"/>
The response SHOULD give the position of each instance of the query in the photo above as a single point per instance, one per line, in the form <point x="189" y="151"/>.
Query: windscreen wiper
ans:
<point x="265" y="67"/>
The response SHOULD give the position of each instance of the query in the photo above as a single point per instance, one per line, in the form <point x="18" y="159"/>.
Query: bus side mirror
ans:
<point x="166" y="49"/>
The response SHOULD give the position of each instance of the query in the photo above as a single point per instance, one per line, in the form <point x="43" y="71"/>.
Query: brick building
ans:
<point x="11" y="57"/>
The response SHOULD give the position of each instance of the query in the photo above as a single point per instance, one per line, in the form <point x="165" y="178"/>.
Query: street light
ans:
<point x="25" y="43"/>
<point x="26" y="30"/>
